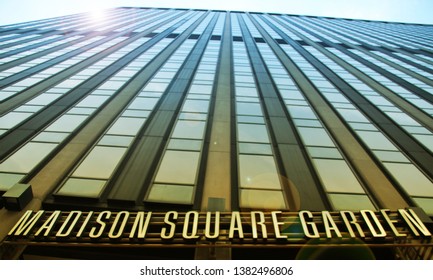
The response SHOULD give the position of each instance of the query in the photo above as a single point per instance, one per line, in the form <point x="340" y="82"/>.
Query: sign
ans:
<point x="234" y="228"/>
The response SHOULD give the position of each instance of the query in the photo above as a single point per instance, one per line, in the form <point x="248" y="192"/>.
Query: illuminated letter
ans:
<point x="167" y="221"/>
<point x="414" y="220"/>
<point x="138" y="225"/>
<point x="236" y="219"/>
<point x="353" y="221"/>
<point x="276" y="225"/>
<point x="208" y="223"/>
<point x="92" y="233"/>
<point x="49" y="223"/>
<point x="382" y="232"/>
<point x="24" y="225"/>
<point x="111" y="234"/>
<point x="327" y="219"/>
<point x="83" y="226"/>
<point x="77" y="215"/>
<point x="391" y="222"/>
<point x="261" y="222"/>
<point x="305" y="225"/>
<point x="193" y="234"/>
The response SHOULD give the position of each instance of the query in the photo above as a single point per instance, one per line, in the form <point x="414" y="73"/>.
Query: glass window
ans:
<point x="198" y="106"/>
<point x="126" y="126"/>
<point x="94" y="101"/>
<point x="171" y="194"/>
<point x="82" y="188"/>
<point x="113" y="140"/>
<point x="248" y="109"/>
<point x="315" y="137"/>
<point x="7" y="180"/>
<point x="43" y="99"/>
<point x="26" y="158"/>
<point x="246" y="91"/>
<point x="54" y="137"/>
<point x="252" y="133"/>
<point x="411" y="179"/>
<point x="178" y="167"/>
<point x="259" y="172"/>
<point x="262" y="199"/>
<point x="319" y="152"/>
<point x="391" y="156"/>
<point x="66" y="123"/>
<point x="337" y="176"/>
<point x="351" y="202"/>
<point x="181" y="144"/>
<point x="13" y="118"/>
<point x="189" y="129"/>
<point x="143" y="103"/>
<point x="252" y="148"/>
<point x="301" y="112"/>
<point x="251" y="119"/>
<point x="426" y="204"/>
<point x="353" y="115"/>
<point x="100" y="162"/>
<point x="376" y="140"/>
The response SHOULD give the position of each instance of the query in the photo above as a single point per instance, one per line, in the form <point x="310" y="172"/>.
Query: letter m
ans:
<point x="25" y="224"/>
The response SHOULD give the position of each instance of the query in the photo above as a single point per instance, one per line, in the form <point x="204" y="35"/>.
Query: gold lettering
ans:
<point x="172" y="225"/>
<point x="236" y="225"/>
<point x="111" y="234"/>
<point x="140" y="225"/>
<point x="93" y="233"/>
<point x="185" y="233"/>
<point x="329" y="224"/>
<point x="353" y="221"/>
<point x="77" y="215"/>
<point x="276" y="225"/>
<point x="391" y="222"/>
<point x="23" y="227"/>
<point x="413" y="221"/>
<point x="83" y="226"/>
<point x="49" y="224"/>
<point x="365" y="214"/>
<point x="207" y="233"/>
<point x="261" y="222"/>
<point x="305" y="225"/>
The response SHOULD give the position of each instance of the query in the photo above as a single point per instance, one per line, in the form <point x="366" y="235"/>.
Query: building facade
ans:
<point x="146" y="109"/>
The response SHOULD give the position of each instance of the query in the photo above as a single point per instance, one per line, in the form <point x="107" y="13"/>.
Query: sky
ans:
<point x="410" y="11"/>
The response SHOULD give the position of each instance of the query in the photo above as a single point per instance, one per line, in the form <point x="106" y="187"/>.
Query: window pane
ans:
<point x="143" y="103"/>
<point x="100" y="163"/>
<point x="351" y="202"/>
<point x="12" y="119"/>
<point x="319" y="152"/>
<point x="82" y="187"/>
<point x="198" y="106"/>
<point x="126" y="126"/>
<point x="375" y="140"/>
<point x="178" y="167"/>
<point x="26" y="158"/>
<point x="411" y="179"/>
<point x="315" y="137"/>
<point x="113" y="140"/>
<point x="258" y="172"/>
<point x="250" y="148"/>
<point x="248" y="109"/>
<point x="252" y="133"/>
<point x="426" y="204"/>
<point x="66" y="123"/>
<point x="262" y="199"/>
<point x="337" y="176"/>
<point x="7" y="180"/>
<point x="55" y="137"/>
<point x="171" y="194"/>
<point x="189" y="129"/>
<point x="181" y="144"/>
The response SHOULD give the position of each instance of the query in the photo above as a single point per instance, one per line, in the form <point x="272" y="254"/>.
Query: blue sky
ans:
<point x="413" y="11"/>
